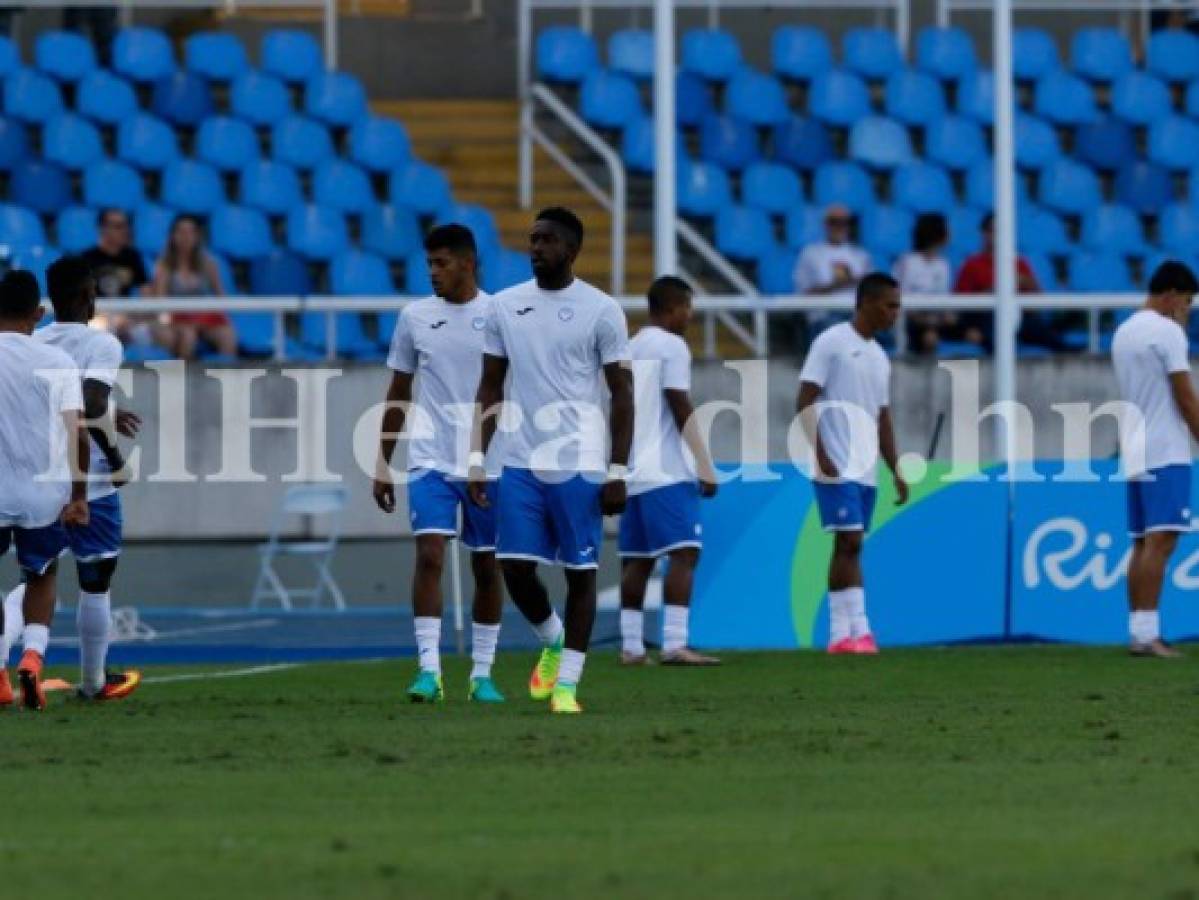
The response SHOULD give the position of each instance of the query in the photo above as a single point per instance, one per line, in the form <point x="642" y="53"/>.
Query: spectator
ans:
<point x="925" y="270"/>
<point x="186" y="269"/>
<point x="835" y="265"/>
<point x="119" y="271"/>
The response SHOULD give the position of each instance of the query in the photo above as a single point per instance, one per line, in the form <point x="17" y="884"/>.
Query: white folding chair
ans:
<point x="317" y="501"/>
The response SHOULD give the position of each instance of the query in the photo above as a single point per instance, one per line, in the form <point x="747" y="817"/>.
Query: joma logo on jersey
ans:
<point x="527" y="309"/>
<point x="438" y="323"/>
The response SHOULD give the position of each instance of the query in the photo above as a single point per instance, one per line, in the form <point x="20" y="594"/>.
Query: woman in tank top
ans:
<point x="186" y="269"/>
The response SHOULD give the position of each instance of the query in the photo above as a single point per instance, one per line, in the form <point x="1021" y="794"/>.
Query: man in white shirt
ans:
<point x="1149" y="352"/>
<point x="560" y="339"/>
<point x="662" y="515"/>
<point x="835" y="265"/>
<point x="43" y="467"/>
<point x="844" y="406"/>
<point x="438" y="342"/>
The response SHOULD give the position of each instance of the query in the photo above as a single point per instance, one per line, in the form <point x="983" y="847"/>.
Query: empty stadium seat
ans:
<point x="711" y="53"/>
<point x="10" y="56"/>
<point x="239" y="232"/>
<point x="1173" y="55"/>
<point x="146" y="142"/>
<point x="111" y="183"/>
<point x="1140" y="98"/>
<point x="802" y="143"/>
<point x="359" y="273"/>
<point x="379" y="144"/>
<point x="879" y="142"/>
<point x="637" y="145"/>
<point x="506" y="269"/>
<point x="290" y="54"/>
<point x="31" y="96"/>
<point x="976" y="96"/>
<point x="1098" y="273"/>
<point x="980" y="185"/>
<point x="1044" y="271"/>
<point x="301" y="142"/>
<point x="1034" y="54"/>
<point x="479" y="220"/>
<point x="64" y="55"/>
<point x="71" y="141"/>
<point x="215" y="55"/>
<point x="226" y="143"/>
<point x="260" y="99"/>
<point x="965" y="230"/>
<point x="755" y="97"/>
<point x="317" y="232"/>
<point x="416" y="276"/>
<point x="800" y="52"/>
<point x="280" y="273"/>
<point x="955" y="142"/>
<point x="36" y="260"/>
<point x="922" y="187"/>
<point x="776" y="270"/>
<point x="182" y="98"/>
<point x="1144" y="187"/>
<point x="692" y="101"/>
<point x="1107" y="144"/>
<point x="845" y="183"/>
<point x="351" y="340"/>
<point x="947" y="53"/>
<point x="609" y="100"/>
<point x="19" y="227"/>
<point x="191" y="186"/>
<point x="565" y="54"/>
<point x="75" y="229"/>
<point x="1112" y="228"/>
<point x="771" y="187"/>
<point x="1178" y="228"/>
<point x="743" y="233"/>
<point x="805" y="225"/>
<point x="1100" y="54"/>
<point x="872" y="53"/>
<point x="1069" y="187"/>
<point x="631" y="52"/>
<point x="703" y="189"/>
<point x="1065" y="99"/>
<point x="1172" y="142"/>
<point x="886" y="230"/>
<point x="1036" y="142"/>
<point x="1040" y="231"/>
<point x="269" y="186"/>
<point x="838" y="97"/>
<point x="105" y="97"/>
<point x="336" y="98"/>
<point x="151" y="226"/>
<point x="1191" y="103"/>
<point x="142" y="54"/>
<point x="728" y="142"/>
<point x="390" y="231"/>
<point x="41" y="186"/>
<point x="341" y="185"/>
<point x="14" y="143"/>
<point x="914" y="98"/>
<point x="420" y="187"/>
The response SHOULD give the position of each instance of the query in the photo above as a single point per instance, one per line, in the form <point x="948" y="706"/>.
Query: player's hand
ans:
<point x="75" y="513"/>
<point x="120" y="475"/>
<point x="827" y="471"/>
<point x="385" y="494"/>
<point x="476" y="487"/>
<point x="613" y="498"/>
<point x="707" y="485"/>
<point x="128" y="423"/>
<point x="901" y="490"/>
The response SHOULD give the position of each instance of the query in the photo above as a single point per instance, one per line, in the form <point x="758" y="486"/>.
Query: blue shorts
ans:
<point x="1160" y="500"/>
<point x="98" y="540"/>
<point x="660" y="520"/>
<point x="433" y="502"/>
<point x="37" y="548"/>
<point x="557" y="522"/>
<point x="845" y="505"/>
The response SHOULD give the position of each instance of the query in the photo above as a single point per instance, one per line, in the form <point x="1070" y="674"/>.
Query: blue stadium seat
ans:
<point x="1144" y="187"/>
<point x="1107" y="144"/>
<point x="142" y="54"/>
<point x="703" y="189"/>
<point x="1191" y="103"/>
<point x="1069" y="188"/>
<point x="479" y="220"/>
<point x="692" y="101"/>
<point x="64" y="55"/>
<point x="1098" y="273"/>
<point x="1044" y="271"/>
<point x="772" y="187"/>
<point x="420" y="187"/>
<point x="40" y="186"/>
<point x="10" y="56"/>
<point x="361" y="274"/>
<point x="351" y="340"/>
<point x="19" y="227"/>
<point x="955" y="142"/>
<point x="341" y="185"/>
<point x="506" y="269"/>
<point x="710" y="53"/>
<point x="391" y="231"/>
<point x="36" y="260"/>
<point x="565" y="55"/>
<point x="226" y="143"/>
<point x="976" y="96"/>
<point x="290" y="54"/>
<point x="301" y="142"/>
<point x="843" y="182"/>
<point x="887" y="230"/>
<point x="111" y="183"/>
<point x="1036" y="142"/>
<point x="728" y="142"/>
<point x="742" y="233"/>
<point x="182" y="98"/>
<point x="631" y="52"/>
<point x="1173" y="55"/>
<point x="776" y="270"/>
<point x="609" y="100"/>
<point x="980" y="185"/>
<point x="215" y="55"/>
<point x="379" y="144"/>
<point x="146" y="142"/>
<point x="1193" y="187"/>
<point x="879" y="142"/>
<point x="1112" y="228"/>
<point x="1034" y="54"/>
<point x="191" y="186"/>
<point x="922" y="187"/>
<point x="75" y="229"/>
<point x="1178" y="228"/>
<point x="105" y="97"/>
<point x="805" y="225"/>
<point x="755" y="97"/>
<point x="802" y="143"/>
<point x="71" y="141"/>
<point x="151" y="226"/>
<point x="317" y="232"/>
<point x="240" y="232"/>
<point x="280" y="273"/>
<point x="1040" y="231"/>
<point x="262" y="100"/>
<point x="416" y="276"/>
<point x="914" y="98"/>
<point x="839" y="98"/>
<point x="965" y="235"/>
<point x="872" y="53"/>
<point x="1100" y="54"/>
<point x="947" y="53"/>
<point x="336" y="98"/>
<point x="14" y="143"/>
<point x="1064" y="99"/>
<point x="800" y="52"/>
<point x="637" y="145"/>
<point x="31" y="96"/>
<point x="271" y="187"/>
<point x="1172" y="142"/>
<point x="1140" y="99"/>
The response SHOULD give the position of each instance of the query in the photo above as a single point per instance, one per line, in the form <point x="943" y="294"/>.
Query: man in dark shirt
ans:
<point x="119" y="271"/>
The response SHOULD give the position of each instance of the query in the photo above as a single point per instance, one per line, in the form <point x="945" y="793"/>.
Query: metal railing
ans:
<point x="1125" y="8"/>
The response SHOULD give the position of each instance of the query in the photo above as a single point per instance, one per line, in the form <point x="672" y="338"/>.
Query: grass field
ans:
<point x="1030" y="771"/>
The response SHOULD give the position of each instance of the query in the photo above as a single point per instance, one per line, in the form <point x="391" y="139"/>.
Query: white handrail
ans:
<point x="698" y="243"/>
<point x="1143" y="7"/>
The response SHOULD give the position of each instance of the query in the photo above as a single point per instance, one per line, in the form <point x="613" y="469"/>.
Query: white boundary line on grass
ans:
<point x="222" y="673"/>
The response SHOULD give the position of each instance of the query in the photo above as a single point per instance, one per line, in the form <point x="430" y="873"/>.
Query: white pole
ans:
<point x="1006" y="313"/>
<point x="524" y="76"/>
<point x="456" y="590"/>
<point x="666" y="251"/>
<point x="331" y="35"/>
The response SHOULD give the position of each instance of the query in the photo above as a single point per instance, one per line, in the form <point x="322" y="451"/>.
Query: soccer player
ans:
<point x="439" y="341"/>
<point x="662" y="515"/>
<point x="1149" y="352"/>
<point x="845" y="380"/>
<point x="43" y="467"/>
<point x="559" y="339"/>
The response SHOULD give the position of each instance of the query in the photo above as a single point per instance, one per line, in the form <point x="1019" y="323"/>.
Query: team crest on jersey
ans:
<point x="478" y="323"/>
<point x="566" y="314"/>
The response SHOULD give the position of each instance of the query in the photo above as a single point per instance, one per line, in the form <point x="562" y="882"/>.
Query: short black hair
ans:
<point x="667" y="292"/>
<point x="930" y="230"/>
<point x="560" y="215"/>
<point x="19" y="294"/>
<point x="108" y="211"/>
<point x="458" y="239"/>
<point x="65" y="280"/>
<point x="1173" y="275"/>
<point x="874" y="285"/>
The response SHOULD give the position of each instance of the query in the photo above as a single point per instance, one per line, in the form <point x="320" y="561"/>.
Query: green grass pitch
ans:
<point x="997" y="772"/>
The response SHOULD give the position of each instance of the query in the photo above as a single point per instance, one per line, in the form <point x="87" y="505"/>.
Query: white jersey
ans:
<point x="661" y="362"/>
<point x="556" y="344"/>
<point x="917" y="274"/>
<point x="98" y="356"/>
<point x="855" y="374"/>
<point x="441" y="343"/>
<point x="38" y="384"/>
<point x="818" y="263"/>
<point x="1146" y="350"/>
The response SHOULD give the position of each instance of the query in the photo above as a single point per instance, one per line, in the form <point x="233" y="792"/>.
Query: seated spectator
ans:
<point x="119" y="271"/>
<point x="925" y="270"/>
<point x="835" y="265"/>
<point x="185" y="269"/>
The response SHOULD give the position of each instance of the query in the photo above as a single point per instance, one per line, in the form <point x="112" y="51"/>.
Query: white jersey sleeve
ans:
<point x="402" y="355"/>
<point x="493" y="335"/>
<point x="104" y="360"/>
<point x="612" y="335"/>
<point x="676" y="367"/>
<point x="816" y="366"/>
<point x="1172" y="349"/>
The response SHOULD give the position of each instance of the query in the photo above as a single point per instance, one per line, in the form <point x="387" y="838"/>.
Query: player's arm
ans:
<point x="399" y="395"/>
<point x="96" y="395"/>
<point x="620" y="426"/>
<point x="1187" y="401"/>
<point x="886" y="446"/>
<point x="809" y="419"/>
<point x="683" y="413"/>
<point x="78" y="455"/>
<point x="488" y="399"/>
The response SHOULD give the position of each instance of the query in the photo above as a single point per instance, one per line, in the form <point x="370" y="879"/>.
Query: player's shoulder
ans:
<point x="52" y="357"/>
<point x="831" y="337"/>
<point x="101" y="342"/>
<point x="418" y="309"/>
<point x="510" y="296"/>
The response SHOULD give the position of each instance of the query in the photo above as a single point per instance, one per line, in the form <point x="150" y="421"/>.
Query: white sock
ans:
<point x="550" y="631"/>
<point x="632" y="632"/>
<point x="94" y="620"/>
<point x="570" y="670"/>
<point x="859" y="625"/>
<point x="483" y="639"/>
<point x="428" y="643"/>
<point x="674" y="627"/>
<point x="838" y="615"/>
<point x="14" y="622"/>
<point x="37" y="638"/>
<point x="1144" y="625"/>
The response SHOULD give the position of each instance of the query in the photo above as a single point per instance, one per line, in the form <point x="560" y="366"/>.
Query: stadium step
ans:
<point x="374" y="8"/>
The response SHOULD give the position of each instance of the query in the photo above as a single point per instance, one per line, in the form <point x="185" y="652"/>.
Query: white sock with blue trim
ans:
<point x="428" y="643"/>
